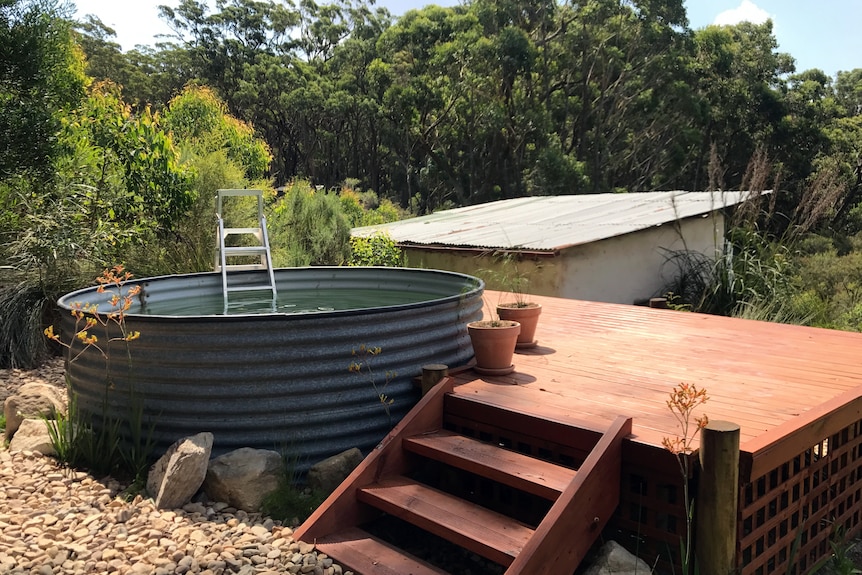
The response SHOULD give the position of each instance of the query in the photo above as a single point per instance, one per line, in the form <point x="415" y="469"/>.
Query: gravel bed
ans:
<point x="55" y="520"/>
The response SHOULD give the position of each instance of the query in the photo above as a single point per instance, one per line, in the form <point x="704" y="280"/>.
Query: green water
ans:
<point x="288" y="302"/>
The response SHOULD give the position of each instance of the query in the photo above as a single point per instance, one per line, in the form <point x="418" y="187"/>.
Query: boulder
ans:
<point x="244" y="477"/>
<point x="328" y="474"/>
<point x="180" y="472"/>
<point x="614" y="559"/>
<point x="32" y="401"/>
<point x="32" y="435"/>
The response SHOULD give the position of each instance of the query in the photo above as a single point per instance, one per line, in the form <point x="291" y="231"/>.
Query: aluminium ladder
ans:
<point x="259" y="247"/>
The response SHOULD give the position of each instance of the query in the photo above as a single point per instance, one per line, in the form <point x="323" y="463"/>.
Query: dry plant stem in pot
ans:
<point x="494" y="345"/>
<point x="525" y="313"/>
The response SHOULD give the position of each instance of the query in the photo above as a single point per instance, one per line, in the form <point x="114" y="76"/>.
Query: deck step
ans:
<point x="510" y="468"/>
<point x="475" y="528"/>
<point x="362" y="552"/>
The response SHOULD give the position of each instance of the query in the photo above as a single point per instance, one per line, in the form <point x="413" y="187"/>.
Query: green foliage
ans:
<point x="845" y="555"/>
<point x="199" y="119"/>
<point x="128" y="166"/>
<point x="378" y="249"/>
<point x="42" y="77"/>
<point x="556" y="173"/>
<point x="352" y="207"/>
<point x="291" y="502"/>
<point x="446" y="107"/>
<point x="222" y="153"/>
<point x="831" y="283"/>
<point x="752" y="270"/>
<point x="308" y="227"/>
<point x="23" y="307"/>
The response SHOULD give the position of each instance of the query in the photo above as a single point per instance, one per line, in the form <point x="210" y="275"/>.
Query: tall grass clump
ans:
<point x="292" y="501"/>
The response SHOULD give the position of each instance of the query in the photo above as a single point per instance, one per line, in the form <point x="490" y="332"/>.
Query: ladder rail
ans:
<point x="221" y="260"/>
<point x="268" y="258"/>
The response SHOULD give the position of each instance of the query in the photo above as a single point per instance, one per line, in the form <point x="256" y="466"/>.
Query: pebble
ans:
<point x="56" y="521"/>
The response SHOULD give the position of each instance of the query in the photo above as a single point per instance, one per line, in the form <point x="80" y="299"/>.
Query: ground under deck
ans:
<point x="595" y="361"/>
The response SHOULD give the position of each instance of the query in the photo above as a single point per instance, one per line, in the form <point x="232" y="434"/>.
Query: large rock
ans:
<point x="32" y="401"/>
<point x="180" y="472"/>
<point x="613" y="559"/>
<point x="244" y="477"/>
<point x="328" y="474"/>
<point x="32" y="435"/>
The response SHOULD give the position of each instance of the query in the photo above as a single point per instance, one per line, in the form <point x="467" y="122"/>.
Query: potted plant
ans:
<point x="494" y="343"/>
<point x="519" y="309"/>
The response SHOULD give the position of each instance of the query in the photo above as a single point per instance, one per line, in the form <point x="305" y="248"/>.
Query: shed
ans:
<point x="602" y="247"/>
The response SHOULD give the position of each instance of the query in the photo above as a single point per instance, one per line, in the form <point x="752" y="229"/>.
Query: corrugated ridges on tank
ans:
<point x="277" y="381"/>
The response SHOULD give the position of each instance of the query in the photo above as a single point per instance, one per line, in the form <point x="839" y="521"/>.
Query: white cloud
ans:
<point x="748" y="11"/>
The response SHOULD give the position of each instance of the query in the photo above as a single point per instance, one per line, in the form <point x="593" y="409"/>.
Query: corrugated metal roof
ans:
<point x="550" y="223"/>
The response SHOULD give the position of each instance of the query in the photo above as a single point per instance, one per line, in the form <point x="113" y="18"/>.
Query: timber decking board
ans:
<point x="595" y="361"/>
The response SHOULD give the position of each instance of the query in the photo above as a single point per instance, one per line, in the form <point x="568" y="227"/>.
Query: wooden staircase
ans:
<point x="482" y="476"/>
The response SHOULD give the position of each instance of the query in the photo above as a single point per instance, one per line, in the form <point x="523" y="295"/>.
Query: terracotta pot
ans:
<point x="527" y="316"/>
<point x="494" y="345"/>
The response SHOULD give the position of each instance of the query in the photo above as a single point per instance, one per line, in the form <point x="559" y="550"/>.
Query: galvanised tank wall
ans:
<point x="274" y="381"/>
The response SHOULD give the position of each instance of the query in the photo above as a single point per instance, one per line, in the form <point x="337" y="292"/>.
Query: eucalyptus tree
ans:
<point x="741" y="81"/>
<point x="40" y="77"/>
<point x="147" y="76"/>
<point x="625" y="107"/>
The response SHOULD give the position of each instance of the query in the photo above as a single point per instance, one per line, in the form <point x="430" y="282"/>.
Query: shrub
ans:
<point x="378" y="249"/>
<point x="308" y="227"/>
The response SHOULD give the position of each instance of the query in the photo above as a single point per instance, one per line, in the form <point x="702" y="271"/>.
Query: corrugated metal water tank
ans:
<point x="278" y="380"/>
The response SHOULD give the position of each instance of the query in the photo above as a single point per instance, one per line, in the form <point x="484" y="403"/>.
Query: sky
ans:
<point x="817" y="33"/>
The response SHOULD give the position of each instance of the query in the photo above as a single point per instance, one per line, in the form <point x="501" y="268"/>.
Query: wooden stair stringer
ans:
<point x="342" y="508"/>
<point x="574" y="522"/>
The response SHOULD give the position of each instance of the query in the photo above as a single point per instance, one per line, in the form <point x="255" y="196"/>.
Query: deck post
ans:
<point x="717" y="498"/>
<point x="432" y="374"/>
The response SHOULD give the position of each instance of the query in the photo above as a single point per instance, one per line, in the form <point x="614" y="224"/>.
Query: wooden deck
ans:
<point x="595" y="361"/>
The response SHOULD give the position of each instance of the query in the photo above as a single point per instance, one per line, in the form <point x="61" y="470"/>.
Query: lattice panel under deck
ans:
<point x="789" y="516"/>
<point x="650" y="520"/>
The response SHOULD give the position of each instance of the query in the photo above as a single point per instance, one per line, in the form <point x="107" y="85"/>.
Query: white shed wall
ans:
<point x="633" y="267"/>
<point x="622" y="269"/>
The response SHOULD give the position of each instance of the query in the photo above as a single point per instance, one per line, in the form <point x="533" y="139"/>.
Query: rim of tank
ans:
<point x="460" y="281"/>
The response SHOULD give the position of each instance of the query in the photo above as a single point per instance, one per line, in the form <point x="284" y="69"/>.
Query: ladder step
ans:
<point x="242" y="267"/>
<point x="245" y="251"/>
<point x="482" y="531"/>
<point x="242" y="231"/>
<point x="511" y="468"/>
<point x="360" y="551"/>
<point x="257" y="287"/>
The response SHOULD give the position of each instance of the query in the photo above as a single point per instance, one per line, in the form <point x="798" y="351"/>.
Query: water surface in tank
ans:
<point x="293" y="301"/>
